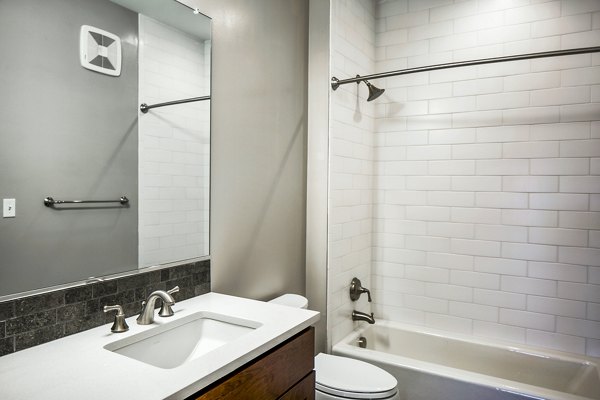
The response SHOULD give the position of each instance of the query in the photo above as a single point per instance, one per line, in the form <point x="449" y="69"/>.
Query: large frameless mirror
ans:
<point x="99" y="184"/>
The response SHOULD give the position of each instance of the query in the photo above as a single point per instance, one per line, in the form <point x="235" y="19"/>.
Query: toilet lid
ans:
<point x="352" y="378"/>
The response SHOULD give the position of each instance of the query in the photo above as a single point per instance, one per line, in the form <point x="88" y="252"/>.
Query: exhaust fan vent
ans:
<point x="100" y="51"/>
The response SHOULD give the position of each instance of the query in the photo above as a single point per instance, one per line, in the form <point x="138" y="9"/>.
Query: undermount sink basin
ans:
<point x="175" y="343"/>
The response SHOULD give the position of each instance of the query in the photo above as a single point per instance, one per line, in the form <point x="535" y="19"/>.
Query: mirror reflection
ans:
<point x="73" y="76"/>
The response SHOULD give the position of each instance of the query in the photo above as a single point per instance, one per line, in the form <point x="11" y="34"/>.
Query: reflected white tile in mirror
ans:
<point x="174" y="145"/>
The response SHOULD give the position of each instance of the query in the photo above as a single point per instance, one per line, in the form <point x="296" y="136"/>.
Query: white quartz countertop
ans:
<point x="78" y="366"/>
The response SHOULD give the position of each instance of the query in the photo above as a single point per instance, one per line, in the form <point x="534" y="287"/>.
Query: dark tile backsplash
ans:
<point x="34" y="320"/>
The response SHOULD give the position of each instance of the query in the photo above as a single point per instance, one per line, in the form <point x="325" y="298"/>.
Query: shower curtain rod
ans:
<point x="145" y="107"/>
<point x="335" y="82"/>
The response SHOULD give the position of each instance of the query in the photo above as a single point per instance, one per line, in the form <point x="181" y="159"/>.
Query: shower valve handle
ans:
<point x="356" y="290"/>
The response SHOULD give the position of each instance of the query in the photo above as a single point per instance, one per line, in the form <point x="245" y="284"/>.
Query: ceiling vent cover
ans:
<point x="100" y="51"/>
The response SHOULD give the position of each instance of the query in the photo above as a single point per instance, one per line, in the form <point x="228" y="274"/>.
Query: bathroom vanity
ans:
<point x="285" y="372"/>
<point x="215" y="346"/>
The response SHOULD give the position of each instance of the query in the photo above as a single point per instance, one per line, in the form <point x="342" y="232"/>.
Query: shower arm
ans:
<point x="335" y="82"/>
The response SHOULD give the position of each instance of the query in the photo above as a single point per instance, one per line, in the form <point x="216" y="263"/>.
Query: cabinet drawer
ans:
<point x="270" y="375"/>
<point x="303" y="390"/>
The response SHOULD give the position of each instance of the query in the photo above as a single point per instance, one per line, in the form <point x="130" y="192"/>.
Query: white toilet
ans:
<point x="342" y="377"/>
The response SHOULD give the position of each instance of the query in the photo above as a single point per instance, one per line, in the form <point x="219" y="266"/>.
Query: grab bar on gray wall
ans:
<point x="145" y="107"/>
<point x="50" y="202"/>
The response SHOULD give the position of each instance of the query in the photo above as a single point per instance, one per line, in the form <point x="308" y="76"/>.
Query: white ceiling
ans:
<point x="172" y="13"/>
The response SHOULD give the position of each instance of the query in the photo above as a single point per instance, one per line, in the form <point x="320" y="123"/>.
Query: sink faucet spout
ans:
<point x="147" y="315"/>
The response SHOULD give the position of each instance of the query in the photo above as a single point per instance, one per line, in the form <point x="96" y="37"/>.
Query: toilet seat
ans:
<point x="353" y="379"/>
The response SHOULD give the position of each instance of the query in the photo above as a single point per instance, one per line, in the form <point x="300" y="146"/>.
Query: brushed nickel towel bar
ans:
<point x="335" y="82"/>
<point x="145" y="107"/>
<point x="50" y="202"/>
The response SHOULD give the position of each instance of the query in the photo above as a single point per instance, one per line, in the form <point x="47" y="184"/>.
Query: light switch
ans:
<point x="8" y="208"/>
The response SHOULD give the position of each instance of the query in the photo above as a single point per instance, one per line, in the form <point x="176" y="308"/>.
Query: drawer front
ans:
<point x="303" y="390"/>
<point x="270" y="375"/>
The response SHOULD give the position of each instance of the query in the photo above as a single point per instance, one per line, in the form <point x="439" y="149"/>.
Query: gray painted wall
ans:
<point x="258" y="145"/>
<point x="69" y="133"/>
<point x="318" y="166"/>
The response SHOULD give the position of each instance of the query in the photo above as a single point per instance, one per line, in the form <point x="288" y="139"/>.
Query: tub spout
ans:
<point x="361" y="316"/>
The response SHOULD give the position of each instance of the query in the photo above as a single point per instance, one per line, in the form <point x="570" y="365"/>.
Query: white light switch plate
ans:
<point x="8" y="208"/>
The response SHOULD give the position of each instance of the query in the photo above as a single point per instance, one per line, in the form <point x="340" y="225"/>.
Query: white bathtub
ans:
<point x="435" y="365"/>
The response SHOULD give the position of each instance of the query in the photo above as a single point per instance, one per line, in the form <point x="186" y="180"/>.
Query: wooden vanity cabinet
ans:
<point x="285" y="372"/>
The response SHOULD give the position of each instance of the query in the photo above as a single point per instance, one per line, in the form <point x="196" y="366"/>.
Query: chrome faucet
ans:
<point x="361" y="316"/>
<point x="147" y="315"/>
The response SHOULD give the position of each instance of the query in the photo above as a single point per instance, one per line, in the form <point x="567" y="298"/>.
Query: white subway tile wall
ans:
<point x="484" y="216"/>
<point x="174" y="145"/>
<point x="352" y="139"/>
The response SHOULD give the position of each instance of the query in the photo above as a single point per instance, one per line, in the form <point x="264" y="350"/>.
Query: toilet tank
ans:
<point x="291" y="300"/>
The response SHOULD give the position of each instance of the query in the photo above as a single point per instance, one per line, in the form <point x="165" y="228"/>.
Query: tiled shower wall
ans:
<point x="487" y="194"/>
<point x="351" y="162"/>
<point x="486" y="213"/>
<point x="174" y="145"/>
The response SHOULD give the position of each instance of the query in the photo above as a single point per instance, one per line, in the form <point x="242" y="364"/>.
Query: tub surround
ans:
<point x="467" y="198"/>
<point x="79" y="364"/>
<point x="33" y="320"/>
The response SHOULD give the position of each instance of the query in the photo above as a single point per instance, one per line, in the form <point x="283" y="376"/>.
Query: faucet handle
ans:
<point x="165" y="309"/>
<point x="119" y="325"/>
<point x="356" y="290"/>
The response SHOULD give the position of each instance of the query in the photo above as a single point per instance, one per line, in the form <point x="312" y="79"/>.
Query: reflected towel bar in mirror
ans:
<point x="145" y="107"/>
<point x="50" y="202"/>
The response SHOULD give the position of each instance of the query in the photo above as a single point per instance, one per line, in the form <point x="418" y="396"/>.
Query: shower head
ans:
<point x="374" y="92"/>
